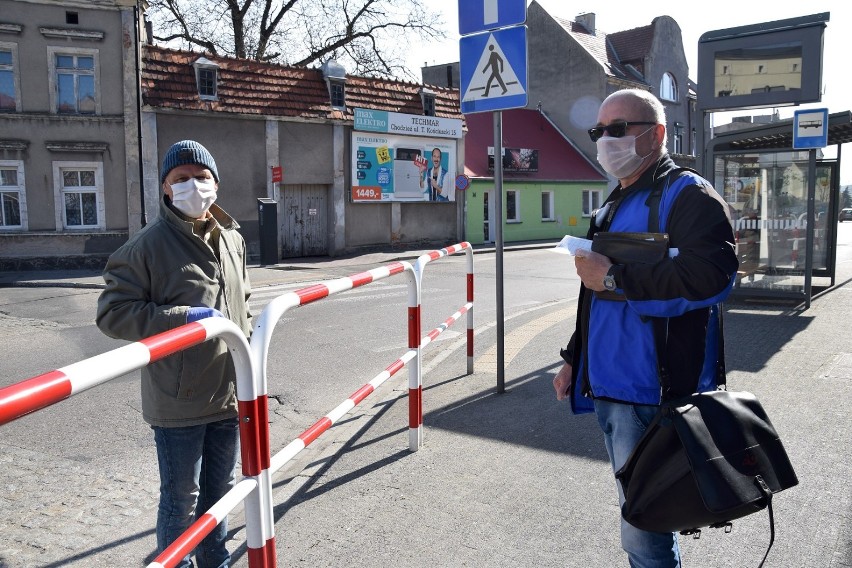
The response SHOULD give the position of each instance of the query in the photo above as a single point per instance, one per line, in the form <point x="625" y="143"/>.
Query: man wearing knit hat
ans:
<point x="189" y="264"/>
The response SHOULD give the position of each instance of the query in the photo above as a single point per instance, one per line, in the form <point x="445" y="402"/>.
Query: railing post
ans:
<point x="415" y="379"/>
<point x="255" y="451"/>
<point x="469" y="257"/>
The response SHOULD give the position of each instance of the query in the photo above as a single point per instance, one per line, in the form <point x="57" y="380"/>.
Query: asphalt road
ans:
<point x="499" y="482"/>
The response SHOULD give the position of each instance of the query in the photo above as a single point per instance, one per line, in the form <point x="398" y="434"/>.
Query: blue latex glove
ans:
<point x="197" y="313"/>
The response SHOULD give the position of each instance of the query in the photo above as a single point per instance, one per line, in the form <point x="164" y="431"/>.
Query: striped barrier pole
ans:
<point x="261" y="337"/>
<point x="193" y="536"/>
<point x="45" y="390"/>
<point x="415" y="378"/>
<point x="469" y="256"/>
<point x="304" y="439"/>
<point x="415" y="390"/>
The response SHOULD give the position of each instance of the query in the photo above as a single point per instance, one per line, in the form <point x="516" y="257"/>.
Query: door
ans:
<point x="487" y="214"/>
<point x="304" y="220"/>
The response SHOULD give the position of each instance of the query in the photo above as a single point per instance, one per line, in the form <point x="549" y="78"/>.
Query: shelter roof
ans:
<point x="779" y="135"/>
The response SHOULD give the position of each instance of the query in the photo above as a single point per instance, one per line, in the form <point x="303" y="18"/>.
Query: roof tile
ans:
<point x="259" y="88"/>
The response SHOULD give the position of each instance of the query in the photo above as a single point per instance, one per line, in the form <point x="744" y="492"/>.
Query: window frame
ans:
<point x="55" y="51"/>
<point x="59" y="194"/>
<point x="333" y="85"/>
<point x="22" y="195"/>
<point x="204" y="65"/>
<point x="16" y="74"/>
<point x="517" y="205"/>
<point x="587" y="206"/>
<point x="549" y="194"/>
<point x="668" y="82"/>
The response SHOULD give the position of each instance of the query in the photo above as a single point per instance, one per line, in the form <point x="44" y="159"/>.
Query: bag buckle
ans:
<point x="694" y="533"/>
<point x="727" y="525"/>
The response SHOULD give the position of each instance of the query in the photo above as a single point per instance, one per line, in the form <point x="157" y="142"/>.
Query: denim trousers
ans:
<point x="197" y="467"/>
<point x="623" y="425"/>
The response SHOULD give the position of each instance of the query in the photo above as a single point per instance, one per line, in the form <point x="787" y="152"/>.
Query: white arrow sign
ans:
<point x="490" y="12"/>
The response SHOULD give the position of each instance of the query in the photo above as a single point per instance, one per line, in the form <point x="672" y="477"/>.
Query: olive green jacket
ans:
<point x="151" y="281"/>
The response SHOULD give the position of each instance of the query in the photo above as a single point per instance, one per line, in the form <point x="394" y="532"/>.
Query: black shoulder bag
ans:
<point x="705" y="459"/>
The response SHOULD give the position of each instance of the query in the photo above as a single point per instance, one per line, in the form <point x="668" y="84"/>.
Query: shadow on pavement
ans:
<point x="752" y="337"/>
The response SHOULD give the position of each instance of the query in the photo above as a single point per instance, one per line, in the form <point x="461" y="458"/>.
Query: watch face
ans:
<point x="609" y="282"/>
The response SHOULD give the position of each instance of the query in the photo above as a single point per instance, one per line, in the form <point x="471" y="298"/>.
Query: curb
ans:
<point x="392" y="257"/>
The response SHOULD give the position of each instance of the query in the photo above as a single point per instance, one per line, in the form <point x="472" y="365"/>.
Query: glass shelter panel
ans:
<point x="767" y="194"/>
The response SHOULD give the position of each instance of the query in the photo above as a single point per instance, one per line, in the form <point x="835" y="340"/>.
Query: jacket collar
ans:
<point x="659" y="170"/>
<point x="225" y="221"/>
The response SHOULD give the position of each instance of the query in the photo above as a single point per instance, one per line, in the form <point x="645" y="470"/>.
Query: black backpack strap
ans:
<point x="661" y="325"/>
<point x="653" y="201"/>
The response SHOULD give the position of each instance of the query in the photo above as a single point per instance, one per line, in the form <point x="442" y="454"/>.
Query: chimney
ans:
<point x="587" y="20"/>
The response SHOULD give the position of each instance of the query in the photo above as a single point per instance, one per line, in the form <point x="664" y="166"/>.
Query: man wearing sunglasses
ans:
<point x="611" y="361"/>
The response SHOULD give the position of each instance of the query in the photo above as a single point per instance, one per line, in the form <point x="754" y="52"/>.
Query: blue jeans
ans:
<point x="623" y="425"/>
<point x="197" y="466"/>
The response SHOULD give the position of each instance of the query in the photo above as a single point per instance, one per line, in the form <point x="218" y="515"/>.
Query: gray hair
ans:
<point x="647" y="105"/>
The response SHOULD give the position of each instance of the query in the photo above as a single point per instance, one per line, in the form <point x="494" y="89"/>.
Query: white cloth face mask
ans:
<point x="193" y="197"/>
<point x="618" y="156"/>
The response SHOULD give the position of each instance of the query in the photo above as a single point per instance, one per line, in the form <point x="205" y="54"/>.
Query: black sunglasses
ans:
<point x="617" y="129"/>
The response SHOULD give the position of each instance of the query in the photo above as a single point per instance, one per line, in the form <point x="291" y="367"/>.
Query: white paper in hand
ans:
<point x="570" y="245"/>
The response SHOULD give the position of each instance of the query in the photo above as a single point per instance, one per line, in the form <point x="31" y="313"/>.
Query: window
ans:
<point x="338" y="94"/>
<point x="668" y="88"/>
<point x="678" y="138"/>
<point x="547" y="206"/>
<point x="13" y="205"/>
<point x="74" y="79"/>
<point x="10" y="96"/>
<point x="513" y="210"/>
<point x="206" y="78"/>
<point x="207" y="83"/>
<point x="427" y="97"/>
<point x="79" y="192"/>
<point x="592" y="199"/>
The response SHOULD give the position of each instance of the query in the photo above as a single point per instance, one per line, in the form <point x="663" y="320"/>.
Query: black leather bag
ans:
<point x="705" y="460"/>
<point x="629" y="248"/>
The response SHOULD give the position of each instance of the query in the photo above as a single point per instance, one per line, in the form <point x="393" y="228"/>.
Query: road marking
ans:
<point x="519" y="338"/>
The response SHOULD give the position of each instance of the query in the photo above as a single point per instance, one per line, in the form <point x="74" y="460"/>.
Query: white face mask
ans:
<point x="193" y="197"/>
<point x="618" y="156"/>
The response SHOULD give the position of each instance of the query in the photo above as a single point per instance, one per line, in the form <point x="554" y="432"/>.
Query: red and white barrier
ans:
<point x="45" y="390"/>
<point x="415" y="378"/>
<point x="193" y="536"/>
<point x="250" y="361"/>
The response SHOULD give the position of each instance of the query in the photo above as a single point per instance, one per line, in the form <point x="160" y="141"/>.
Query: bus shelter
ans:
<point x="766" y="184"/>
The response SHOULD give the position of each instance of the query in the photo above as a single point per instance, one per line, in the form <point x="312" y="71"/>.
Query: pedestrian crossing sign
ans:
<point x="493" y="69"/>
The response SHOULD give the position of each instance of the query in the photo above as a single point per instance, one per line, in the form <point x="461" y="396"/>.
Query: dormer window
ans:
<point x="335" y="78"/>
<point x="337" y="90"/>
<point x="428" y="98"/>
<point x="206" y="78"/>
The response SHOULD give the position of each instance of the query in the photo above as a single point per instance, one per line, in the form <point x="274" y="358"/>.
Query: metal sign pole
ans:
<point x="498" y="242"/>
<point x="809" y="229"/>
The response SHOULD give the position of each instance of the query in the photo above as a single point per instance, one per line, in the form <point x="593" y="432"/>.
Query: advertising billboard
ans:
<point x="402" y="168"/>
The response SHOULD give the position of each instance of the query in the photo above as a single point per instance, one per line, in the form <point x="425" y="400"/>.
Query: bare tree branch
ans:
<point x="364" y="35"/>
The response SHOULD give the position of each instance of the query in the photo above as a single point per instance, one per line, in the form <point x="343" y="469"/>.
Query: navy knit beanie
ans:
<point x="187" y="152"/>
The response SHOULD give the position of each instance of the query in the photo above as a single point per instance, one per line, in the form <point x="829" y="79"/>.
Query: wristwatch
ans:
<point x="609" y="279"/>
